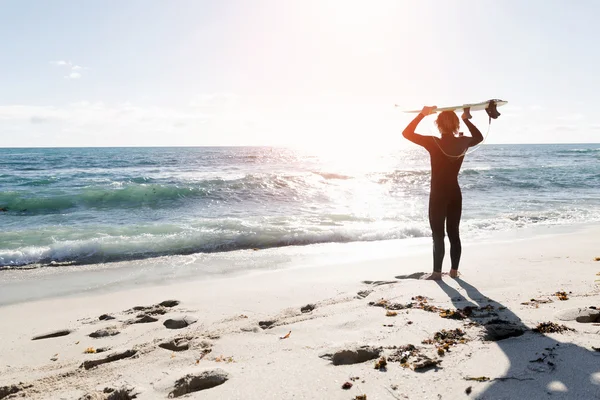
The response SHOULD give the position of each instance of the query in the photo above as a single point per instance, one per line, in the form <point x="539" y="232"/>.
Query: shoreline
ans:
<point x="233" y="312"/>
<point x="19" y="285"/>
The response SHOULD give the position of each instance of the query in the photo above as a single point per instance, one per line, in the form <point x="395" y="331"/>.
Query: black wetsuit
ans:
<point x="445" y="199"/>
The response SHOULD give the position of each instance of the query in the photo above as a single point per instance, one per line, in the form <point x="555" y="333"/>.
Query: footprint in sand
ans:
<point x="416" y="275"/>
<point x="62" y="332"/>
<point x="378" y="283"/>
<point x="266" y="324"/>
<point x="179" y="344"/>
<point x="179" y="322"/>
<point x="100" y="333"/>
<point x="124" y="393"/>
<point x="6" y="391"/>
<point x="196" y="382"/>
<point x="111" y="358"/>
<point x="352" y="356"/>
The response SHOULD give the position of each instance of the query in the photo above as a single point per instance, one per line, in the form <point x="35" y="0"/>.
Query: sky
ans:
<point x="292" y="73"/>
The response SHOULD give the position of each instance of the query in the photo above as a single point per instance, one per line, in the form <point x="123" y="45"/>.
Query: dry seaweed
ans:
<point x="346" y="385"/>
<point x="551" y="327"/>
<point x="403" y="353"/>
<point x="477" y="378"/>
<point x="388" y="305"/>
<point x="381" y="364"/>
<point x="446" y="338"/>
<point x="562" y="295"/>
<point x="287" y="335"/>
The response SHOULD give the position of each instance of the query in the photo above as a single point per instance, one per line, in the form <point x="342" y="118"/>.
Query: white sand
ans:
<point x="260" y="365"/>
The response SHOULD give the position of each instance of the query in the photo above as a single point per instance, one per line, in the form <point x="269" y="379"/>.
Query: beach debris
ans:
<point x="179" y="322"/>
<point x="388" y="325"/>
<point x="536" y="302"/>
<point x="597" y="259"/>
<point x="113" y="357"/>
<point x="595" y="348"/>
<point x="381" y="364"/>
<point x="551" y="327"/>
<point x="446" y="338"/>
<point x="109" y="331"/>
<point x="353" y="356"/>
<point x="410" y="357"/>
<point x="425" y="363"/>
<point x="179" y="344"/>
<point x="477" y="378"/>
<point x="243" y="316"/>
<point x="354" y="378"/>
<point x="90" y="350"/>
<point x="388" y="305"/>
<point x="499" y="329"/>
<point x="203" y="353"/>
<point x="194" y="383"/>
<point x="286" y="335"/>
<point x="389" y="313"/>
<point x="224" y="359"/>
<point x="361" y="397"/>
<point x="77" y="342"/>
<point x="469" y="390"/>
<point x="308" y="308"/>
<point x="54" y="334"/>
<point x="266" y="324"/>
<point x="105" y="317"/>
<point x="403" y="353"/>
<point x="544" y="359"/>
<point x="409" y="322"/>
<point x="346" y="385"/>
<point x="441" y="352"/>
<point x="453" y="314"/>
<point x="363" y="293"/>
<point x="54" y="357"/>
<point x="562" y="295"/>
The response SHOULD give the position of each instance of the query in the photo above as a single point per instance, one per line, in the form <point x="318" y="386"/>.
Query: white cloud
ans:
<point x="73" y="68"/>
<point x="60" y="63"/>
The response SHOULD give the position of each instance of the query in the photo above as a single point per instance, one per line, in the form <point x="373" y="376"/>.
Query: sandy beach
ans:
<point x="336" y="332"/>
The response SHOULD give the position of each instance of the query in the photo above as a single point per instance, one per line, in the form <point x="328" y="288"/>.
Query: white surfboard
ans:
<point x="474" y="106"/>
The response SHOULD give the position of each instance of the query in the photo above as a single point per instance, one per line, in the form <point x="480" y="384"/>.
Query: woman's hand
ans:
<point x="466" y="114"/>
<point x="427" y="110"/>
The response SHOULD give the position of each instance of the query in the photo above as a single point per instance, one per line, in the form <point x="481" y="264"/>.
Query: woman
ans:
<point x="445" y="199"/>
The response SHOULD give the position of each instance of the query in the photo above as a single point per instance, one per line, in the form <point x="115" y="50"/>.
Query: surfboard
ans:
<point x="474" y="106"/>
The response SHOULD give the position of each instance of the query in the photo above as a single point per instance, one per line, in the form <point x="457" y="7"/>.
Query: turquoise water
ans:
<point x="92" y="205"/>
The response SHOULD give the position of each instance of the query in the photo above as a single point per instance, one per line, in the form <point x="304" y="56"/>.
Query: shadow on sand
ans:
<point x="568" y="371"/>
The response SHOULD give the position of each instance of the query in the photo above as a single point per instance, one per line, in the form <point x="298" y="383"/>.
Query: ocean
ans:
<point x="81" y="206"/>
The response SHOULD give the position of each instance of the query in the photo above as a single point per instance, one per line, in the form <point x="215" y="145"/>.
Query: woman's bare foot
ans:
<point x="435" y="276"/>
<point x="453" y="273"/>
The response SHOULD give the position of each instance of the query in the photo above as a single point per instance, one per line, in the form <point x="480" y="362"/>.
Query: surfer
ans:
<point x="445" y="199"/>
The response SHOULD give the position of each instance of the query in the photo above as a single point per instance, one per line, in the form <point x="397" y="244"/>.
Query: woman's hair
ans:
<point x="448" y="123"/>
